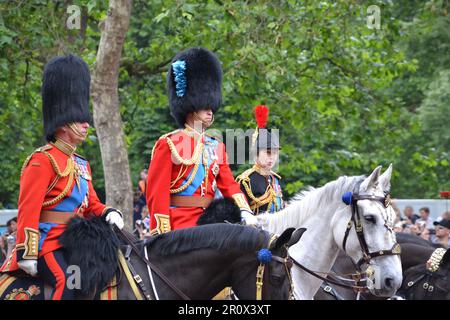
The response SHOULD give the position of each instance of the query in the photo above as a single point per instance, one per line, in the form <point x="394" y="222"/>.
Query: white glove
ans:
<point x="114" y="217"/>
<point x="248" y="217"/>
<point x="29" y="266"/>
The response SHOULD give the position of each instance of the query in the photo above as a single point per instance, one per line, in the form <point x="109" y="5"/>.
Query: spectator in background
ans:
<point x="425" y="217"/>
<point x="445" y="216"/>
<point x="3" y="249"/>
<point x="139" y="199"/>
<point x="9" y="237"/>
<point x="409" y="214"/>
<point x="142" y="230"/>
<point x="12" y="225"/>
<point x="442" y="233"/>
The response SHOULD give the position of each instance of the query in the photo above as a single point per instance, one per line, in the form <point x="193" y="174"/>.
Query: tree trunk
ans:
<point x="107" y="120"/>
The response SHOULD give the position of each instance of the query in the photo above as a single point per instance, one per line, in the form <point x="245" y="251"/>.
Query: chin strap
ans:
<point x="206" y="124"/>
<point x="75" y="130"/>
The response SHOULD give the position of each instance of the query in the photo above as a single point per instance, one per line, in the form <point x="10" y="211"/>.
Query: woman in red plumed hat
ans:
<point x="260" y="184"/>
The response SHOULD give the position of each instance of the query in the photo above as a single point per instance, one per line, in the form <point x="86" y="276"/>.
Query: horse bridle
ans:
<point x="287" y="262"/>
<point x="352" y="199"/>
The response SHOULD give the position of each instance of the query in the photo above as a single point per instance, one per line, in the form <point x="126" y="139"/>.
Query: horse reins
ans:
<point x="357" y="278"/>
<point x="130" y="243"/>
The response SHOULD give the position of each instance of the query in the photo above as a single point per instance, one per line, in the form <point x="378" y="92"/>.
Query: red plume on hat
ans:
<point x="261" y="116"/>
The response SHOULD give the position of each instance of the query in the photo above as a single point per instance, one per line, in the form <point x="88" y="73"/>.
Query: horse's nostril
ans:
<point x="389" y="283"/>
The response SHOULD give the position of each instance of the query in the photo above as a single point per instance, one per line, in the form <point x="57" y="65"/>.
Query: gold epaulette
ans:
<point x="245" y="175"/>
<point x="275" y="174"/>
<point x="27" y="160"/>
<point x="164" y="136"/>
<point x="69" y="172"/>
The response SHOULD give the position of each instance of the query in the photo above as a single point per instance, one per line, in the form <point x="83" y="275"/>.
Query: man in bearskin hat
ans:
<point x="260" y="184"/>
<point x="56" y="183"/>
<point x="187" y="165"/>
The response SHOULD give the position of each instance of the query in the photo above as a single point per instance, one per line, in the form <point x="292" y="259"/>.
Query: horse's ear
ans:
<point x="385" y="179"/>
<point x="282" y="239"/>
<point x="372" y="180"/>
<point x="296" y="236"/>
<point x="445" y="259"/>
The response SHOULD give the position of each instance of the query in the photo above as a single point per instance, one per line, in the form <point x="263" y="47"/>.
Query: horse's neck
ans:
<point x="317" y="251"/>
<point x="203" y="273"/>
<point x="319" y="201"/>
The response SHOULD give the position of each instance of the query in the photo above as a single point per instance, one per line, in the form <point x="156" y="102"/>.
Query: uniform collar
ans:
<point x="192" y="132"/>
<point x="260" y="170"/>
<point x="65" y="147"/>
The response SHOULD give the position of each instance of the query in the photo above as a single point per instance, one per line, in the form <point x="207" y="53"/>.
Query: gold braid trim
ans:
<point x="198" y="151"/>
<point x="62" y="194"/>
<point x="434" y="262"/>
<point x="27" y="160"/>
<point x="188" y="182"/>
<point x="187" y="162"/>
<point x="68" y="171"/>
<point x="69" y="167"/>
<point x="267" y="198"/>
<point x="162" y="137"/>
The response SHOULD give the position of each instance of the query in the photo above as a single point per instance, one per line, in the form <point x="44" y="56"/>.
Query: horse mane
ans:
<point x="219" y="236"/>
<point x="91" y="245"/>
<point x="308" y="202"/>
<point x="413" y="239"/>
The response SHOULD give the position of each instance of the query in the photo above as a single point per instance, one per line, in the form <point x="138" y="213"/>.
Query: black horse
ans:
<point x="198" y="261"/>
<point x="418" y="281"/>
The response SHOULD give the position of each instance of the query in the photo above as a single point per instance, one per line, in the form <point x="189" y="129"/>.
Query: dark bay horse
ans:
<point x="418" y="282"/>
<point x="199" y="261"/>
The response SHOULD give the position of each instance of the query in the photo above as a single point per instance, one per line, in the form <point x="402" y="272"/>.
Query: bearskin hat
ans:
<point x="194" y="82"/>
<point x="65" y="93"/>
<point x="264" y="138"/>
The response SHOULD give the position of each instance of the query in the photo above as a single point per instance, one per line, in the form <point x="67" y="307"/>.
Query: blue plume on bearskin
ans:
<point x="92" y="245"/>
<point x="219" y="211"/>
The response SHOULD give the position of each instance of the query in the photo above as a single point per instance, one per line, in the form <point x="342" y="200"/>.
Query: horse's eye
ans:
<point x="276" y="279"/>
<point x="370" y="218"/>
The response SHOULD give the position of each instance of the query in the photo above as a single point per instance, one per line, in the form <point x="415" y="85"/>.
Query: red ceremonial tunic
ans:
<point x="205" y="170"/>
<point x="53" y="180"/>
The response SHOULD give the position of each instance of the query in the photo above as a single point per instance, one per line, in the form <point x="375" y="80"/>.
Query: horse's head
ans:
<point x="430" y="281"/>
<point x="363" y="230"/>
<point x="267" y="275"/>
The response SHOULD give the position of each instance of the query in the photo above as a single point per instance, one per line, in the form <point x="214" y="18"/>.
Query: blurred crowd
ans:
<point x="436" y="231"/>
<point x="8" y="239"/>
